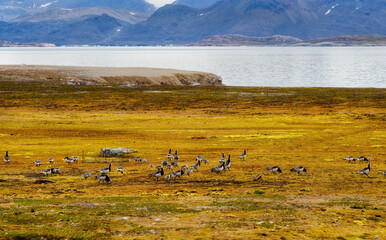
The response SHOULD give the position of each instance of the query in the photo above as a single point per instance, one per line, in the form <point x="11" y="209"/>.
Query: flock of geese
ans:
<point x="225" y="164"/>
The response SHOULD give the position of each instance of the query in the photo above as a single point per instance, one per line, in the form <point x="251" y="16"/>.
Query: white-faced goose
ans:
<point x="51" y="160"/>
<point x="46" y="172"/>
<point x="350" y="159"/>
<point x="365" y="171"/>
<point x="175" y="156"/>
<point x="169" y="156"/>
<point x="275" y="169"/>
<point x="7" y="159"/>
<point x="219" y="168"/>
<point x="68" y="160"/>
<point x="164" y="163"/>
<point x="120" y="169"/>
<point x="298" y="169"/>
<point x="103" y="177"/>
<point x="227" y="164"/>
<point x="196" y="165"/>
<point x="243" y="155"/>
<point x="157" y="174"/>
<point x="105" y="170"/>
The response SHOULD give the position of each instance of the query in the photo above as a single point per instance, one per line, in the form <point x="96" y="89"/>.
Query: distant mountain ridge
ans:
<point x="196" y="3"/>
<point x="10" y="9"/>
<point x="179" y="24"/>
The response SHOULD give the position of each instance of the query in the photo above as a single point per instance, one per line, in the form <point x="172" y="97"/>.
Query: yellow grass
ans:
<point x="315" y="128"/>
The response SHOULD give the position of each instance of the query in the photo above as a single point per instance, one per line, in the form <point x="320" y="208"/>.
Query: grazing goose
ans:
<point x="227" y="165"/>
<point x="169" y="156"/>
<point x="200" y="158"/>
<point x="196" y="165"/>
<point x="169" y="167"/>
<point x="205" y="161"/>
<point x="55" y="170"/>
<point x="384" y="173"/>
<point x="243" y="155"/>
<point x="184" y="167"/>
<point x="222" y="159"/>
<point x="175" y="163"/>
<point x="350" y="159"/>
<point x="46" y="172"/>
<point x="105" y="170"/>
<point x="138" y="159"/>
<point x="178" y="173"/>
<point x="6" y="158"/>
<point x="157" y="174"/>
<point x="144" y="160"/>
<point x="87" y="175"/>
<point x="51" y="160"/>
<point x="68" y="160"/>
<point x="360" y="159"/>
<point x="298" y="169"/>
<point x="103" y="177"/>
<point x="120" y="169"/>
<point x="367" y="160"/>
<point x="175" y="156"/>
<point x="275" y="169"/>
<point x="365" y="171"/>
<point x="219" y="168"/>
<point x="151" y="165"/>
<point x="38" y="163"/>
<point x="164" y="163"/>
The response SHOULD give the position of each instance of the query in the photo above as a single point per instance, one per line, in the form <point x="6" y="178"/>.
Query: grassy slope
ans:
<point x="315" y="128"/>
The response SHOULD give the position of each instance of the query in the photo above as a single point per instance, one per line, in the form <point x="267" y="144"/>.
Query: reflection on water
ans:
<point x="239" y="66"/>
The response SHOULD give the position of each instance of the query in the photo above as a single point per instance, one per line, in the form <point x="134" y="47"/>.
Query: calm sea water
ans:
<point x="238" y="66"/>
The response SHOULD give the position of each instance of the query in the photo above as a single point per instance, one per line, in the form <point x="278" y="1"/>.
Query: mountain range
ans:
<point x="136" y="22"/>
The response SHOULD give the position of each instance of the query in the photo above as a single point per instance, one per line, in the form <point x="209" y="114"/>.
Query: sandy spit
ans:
<point x="112" y="75"/>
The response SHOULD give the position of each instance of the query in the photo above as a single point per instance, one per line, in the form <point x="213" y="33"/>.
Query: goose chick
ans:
<point x="38" y="163"/>
<point x="87" y="175"/>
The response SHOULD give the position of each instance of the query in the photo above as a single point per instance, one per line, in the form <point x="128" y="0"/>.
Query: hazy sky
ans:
<point x="160" y="3"/>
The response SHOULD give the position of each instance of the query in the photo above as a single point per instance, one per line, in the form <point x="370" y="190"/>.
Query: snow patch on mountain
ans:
<point x="329" y="10"/>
